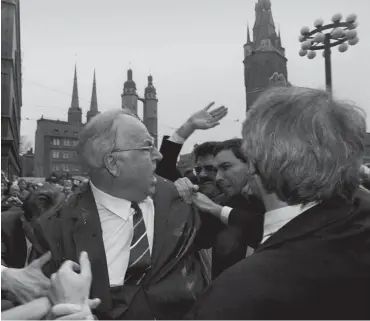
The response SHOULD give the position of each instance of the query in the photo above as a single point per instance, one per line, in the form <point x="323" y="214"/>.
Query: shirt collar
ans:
<point x="118" y="206"/>
<point x="276" y="219"/>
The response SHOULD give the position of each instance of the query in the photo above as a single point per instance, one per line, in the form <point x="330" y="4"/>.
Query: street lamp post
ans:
<point x="340" y="32"/>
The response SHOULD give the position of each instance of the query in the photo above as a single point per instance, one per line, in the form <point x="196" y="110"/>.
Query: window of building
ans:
<point x="75" y="134"/>
<point x="65" y="154"/>
<point x="66" y="167"/>
<point x="75" y="142"/>
<point x="55" y="167"/>
<point x="74" y="154"/>
<point x="66" y="132"/>
<point x="67" y="142"/>
<point x="55" y="154"/>
<point x="56" y="131"/>
<point x="56" y="141"/>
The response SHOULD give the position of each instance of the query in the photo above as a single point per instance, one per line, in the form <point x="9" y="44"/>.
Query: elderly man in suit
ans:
<point x="141" y="238"/>
<point x="304" y="151"/>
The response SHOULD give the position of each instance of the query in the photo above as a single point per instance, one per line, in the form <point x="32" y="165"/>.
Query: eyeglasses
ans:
<point x="144" y="148"/>
<point x="149" y="148"/>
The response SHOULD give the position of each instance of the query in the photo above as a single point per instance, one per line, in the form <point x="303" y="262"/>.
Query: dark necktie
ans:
<point x="140" y="261"/>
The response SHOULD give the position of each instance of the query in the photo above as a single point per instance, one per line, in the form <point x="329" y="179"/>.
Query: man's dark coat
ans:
<point x="315" y="267"/>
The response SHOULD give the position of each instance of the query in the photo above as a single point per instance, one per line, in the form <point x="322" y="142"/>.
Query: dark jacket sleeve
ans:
<point x="250" y="222"/>
<point x="167" y="166"/>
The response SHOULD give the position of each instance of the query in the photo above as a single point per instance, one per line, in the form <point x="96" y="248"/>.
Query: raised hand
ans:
<point x="205" y="119"/>
<point x="29" y="282"/>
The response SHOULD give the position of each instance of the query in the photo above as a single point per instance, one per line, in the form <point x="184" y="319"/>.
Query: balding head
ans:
<point x="119" y="154"/>
<point x="98" y="137"/>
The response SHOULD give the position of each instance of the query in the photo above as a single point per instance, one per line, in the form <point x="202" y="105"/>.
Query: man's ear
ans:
<point x="112" y="166"/>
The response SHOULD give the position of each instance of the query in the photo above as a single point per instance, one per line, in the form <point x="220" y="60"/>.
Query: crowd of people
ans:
<point x="274" y="225"/>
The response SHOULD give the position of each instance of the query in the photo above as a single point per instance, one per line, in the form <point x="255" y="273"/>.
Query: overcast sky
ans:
<point x="193" y="49"/>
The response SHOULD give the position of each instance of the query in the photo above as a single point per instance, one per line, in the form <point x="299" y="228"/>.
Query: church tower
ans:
<point x="94" y="102"/>
<point x="129" y="95"/>
<point x="75" y="112"/>
<point x="150" y="110"/>
<point x="264" y="55"/>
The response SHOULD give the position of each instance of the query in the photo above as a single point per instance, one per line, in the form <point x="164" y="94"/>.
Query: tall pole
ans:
<point x="338" y="33"/>
<point x="327" y="54"/>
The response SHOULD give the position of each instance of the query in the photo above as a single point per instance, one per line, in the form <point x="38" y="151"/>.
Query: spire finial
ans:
<point x="129" y="74"/>
<point x="75" y="101"/>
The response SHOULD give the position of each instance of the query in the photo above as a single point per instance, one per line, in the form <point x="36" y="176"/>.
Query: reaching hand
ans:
<point x="69" y="311"/>
<point x="69" y="286"/>
<point x="205" y="204"/>
<point x="27" y="283"/>
<point x="186" y="189"/>
<point x="205" y="119"/>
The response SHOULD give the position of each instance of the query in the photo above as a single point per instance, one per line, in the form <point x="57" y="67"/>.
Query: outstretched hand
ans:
<point x="206" y="119"/>
<point x="29" y="282"/>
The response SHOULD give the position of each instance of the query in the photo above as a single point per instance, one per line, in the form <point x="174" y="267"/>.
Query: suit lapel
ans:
<point x="170" y="225"/>
<point x="87" y="234"/>
<point x="161" y="210"/>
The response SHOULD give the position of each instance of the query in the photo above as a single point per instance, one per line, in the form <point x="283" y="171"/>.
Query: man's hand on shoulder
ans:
<point x="205" y="204"/>
<point x="186" y="189"/>
<point x="28" y="283"/>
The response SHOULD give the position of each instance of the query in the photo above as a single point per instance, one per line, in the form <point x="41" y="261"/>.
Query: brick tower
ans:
<point x="264" y="55"/>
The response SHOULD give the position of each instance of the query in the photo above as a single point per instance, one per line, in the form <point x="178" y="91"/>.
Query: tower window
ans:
<point x="65" y="155"/>
<point x="67" y="142"/>
<point x="56" y="141"/>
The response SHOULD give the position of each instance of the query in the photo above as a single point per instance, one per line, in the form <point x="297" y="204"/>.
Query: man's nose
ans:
<point x="219" y="176"/>
<point x="157" y="156"/>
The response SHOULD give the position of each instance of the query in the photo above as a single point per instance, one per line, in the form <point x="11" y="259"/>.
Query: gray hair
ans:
<point x="98" y="137"/>
<point x="304" y="145"/>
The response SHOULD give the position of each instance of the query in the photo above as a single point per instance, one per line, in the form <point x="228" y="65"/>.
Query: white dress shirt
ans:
<point x="116" y="217"/>
<point x="274" y="220"/>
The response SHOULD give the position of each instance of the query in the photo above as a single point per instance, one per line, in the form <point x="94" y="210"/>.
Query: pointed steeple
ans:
<point x="75" y="102"/>
<point x="279" y="36"/>
<point x="248" y="34"/>
<point x="94" y="102"/>
<point x="74" y="111"/>
<point x="264" y="27"/>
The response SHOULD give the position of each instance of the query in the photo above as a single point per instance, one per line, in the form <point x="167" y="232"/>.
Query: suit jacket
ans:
<point x="13" y="240"/>
<point x="245" y="228"/>
<point x="176" y="278"/>
<point x="315" y="267"/>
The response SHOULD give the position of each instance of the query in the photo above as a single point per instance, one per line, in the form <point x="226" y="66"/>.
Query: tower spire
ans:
<point x="74" y="111"/>
<point x="94" y="102"/>
<point x="248" y="34"/>
<point x="264" y="26"/>
<point x="75" y="101"/>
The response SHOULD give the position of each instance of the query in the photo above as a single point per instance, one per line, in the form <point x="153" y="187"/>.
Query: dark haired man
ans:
<point x="242" y="215"/>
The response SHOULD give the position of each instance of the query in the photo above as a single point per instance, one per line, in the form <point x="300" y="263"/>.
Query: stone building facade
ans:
<point x="56" y="141"/>
<point x="11" y="87"/>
